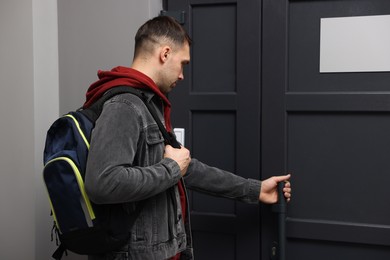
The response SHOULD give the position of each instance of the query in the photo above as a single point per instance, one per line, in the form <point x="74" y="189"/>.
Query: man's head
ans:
<point x="157" y="31"/>
<point x="162" y="48"/>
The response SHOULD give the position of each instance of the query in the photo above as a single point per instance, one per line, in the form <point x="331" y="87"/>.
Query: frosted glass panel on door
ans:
<point x="355" y="44"/>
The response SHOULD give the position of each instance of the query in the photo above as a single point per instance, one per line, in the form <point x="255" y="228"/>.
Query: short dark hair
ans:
<point x="159" y="29"/>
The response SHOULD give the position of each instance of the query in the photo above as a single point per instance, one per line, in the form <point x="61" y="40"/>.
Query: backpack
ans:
<point x="82" y="226"/>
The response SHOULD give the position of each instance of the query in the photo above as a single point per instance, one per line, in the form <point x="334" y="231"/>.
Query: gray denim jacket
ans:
<point x="126" y="165"/>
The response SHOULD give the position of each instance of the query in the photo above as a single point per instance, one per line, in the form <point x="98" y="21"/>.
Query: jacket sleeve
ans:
<point x="203" y="178"/>
<point x="112" y="175"/>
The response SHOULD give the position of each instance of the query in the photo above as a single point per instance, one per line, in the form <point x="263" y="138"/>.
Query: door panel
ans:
<point x="304" y="47"/>
<point x="213" y="28"/>
<point x="312" y="249"/>
<point x="218" y="103"/>
<point x="329" y="129"/>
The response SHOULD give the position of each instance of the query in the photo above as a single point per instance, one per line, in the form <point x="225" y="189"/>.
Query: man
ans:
<point x="129" y="163"/>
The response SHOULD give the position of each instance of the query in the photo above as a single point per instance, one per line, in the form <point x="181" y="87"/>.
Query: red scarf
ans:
<point x="123" y="76"/>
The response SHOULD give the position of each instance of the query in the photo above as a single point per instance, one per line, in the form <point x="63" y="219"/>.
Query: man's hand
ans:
<point x="269" y="189"/>
<point x="181" y="156"/>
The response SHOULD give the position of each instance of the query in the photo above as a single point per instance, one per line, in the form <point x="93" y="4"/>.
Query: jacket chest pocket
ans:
<point x="155" y="143"/>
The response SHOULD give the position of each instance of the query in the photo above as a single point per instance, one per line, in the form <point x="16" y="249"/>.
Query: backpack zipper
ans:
<point x="79" y="129"/>
<point x="81" y="186"/>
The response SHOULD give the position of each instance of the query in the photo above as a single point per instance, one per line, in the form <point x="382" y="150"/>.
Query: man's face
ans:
<point x="173" y="67"/>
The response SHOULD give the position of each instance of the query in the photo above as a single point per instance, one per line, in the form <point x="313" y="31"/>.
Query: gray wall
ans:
<point x="29" y="101"/>
<point x="33" y="86"/>
<point x="17" y="128"/>
<point x="93" y="35"/>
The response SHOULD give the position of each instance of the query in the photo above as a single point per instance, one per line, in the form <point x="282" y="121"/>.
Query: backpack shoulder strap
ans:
<point x="94" y="111"/>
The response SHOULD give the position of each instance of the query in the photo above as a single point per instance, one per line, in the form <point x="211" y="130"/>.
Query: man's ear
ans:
<point x="164" y="53"/>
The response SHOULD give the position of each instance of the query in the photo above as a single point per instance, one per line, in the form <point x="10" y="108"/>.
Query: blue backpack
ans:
<point x="82" y="226"/>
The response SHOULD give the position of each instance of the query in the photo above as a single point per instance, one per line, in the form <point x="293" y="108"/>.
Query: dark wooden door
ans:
<point x="218" y="104"/>
<point x="332" y="130"/>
